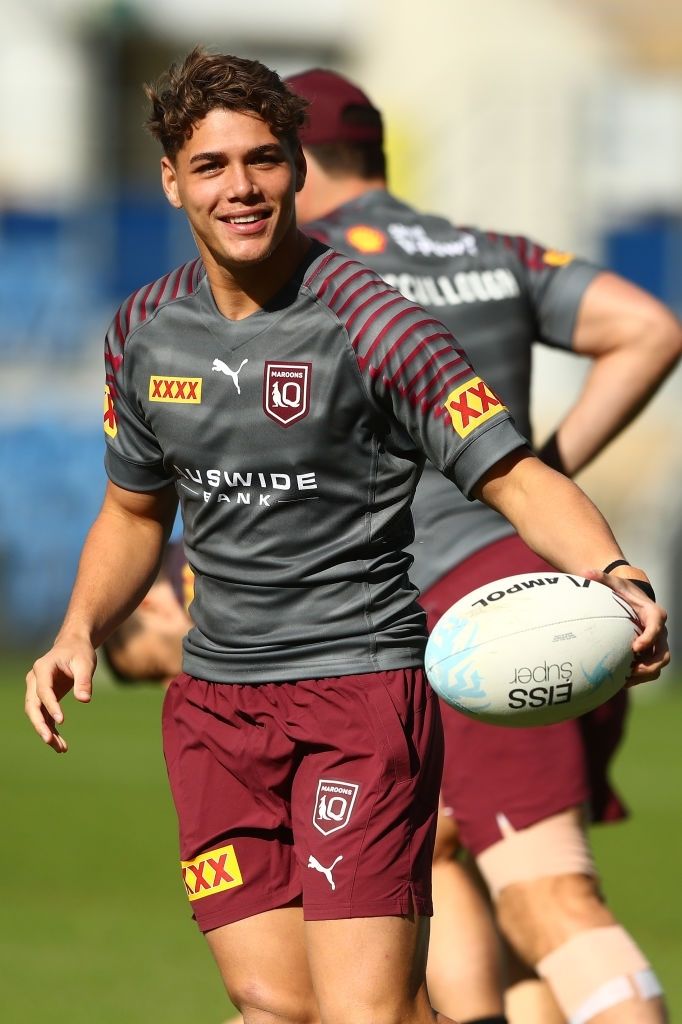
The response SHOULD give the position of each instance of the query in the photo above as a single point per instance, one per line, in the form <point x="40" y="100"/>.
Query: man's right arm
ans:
<point x="120" y="559"/>
<point x="634" y="343"/>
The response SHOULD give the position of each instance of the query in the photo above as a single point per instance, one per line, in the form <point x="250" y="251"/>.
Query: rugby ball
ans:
<point x="532" y="649"/>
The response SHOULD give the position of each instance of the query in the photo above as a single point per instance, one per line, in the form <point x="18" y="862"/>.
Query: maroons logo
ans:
<point x="286" y="391"/>
<point x="366" y="239"/>
<point x="334" y="802"/>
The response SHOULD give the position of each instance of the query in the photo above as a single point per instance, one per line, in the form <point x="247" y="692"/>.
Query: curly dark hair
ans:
<point x="204" y="81"/>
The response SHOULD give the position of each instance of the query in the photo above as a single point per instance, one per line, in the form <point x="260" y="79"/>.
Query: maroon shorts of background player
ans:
<point x="526" y="774"/>
<point x="321" y="791"/>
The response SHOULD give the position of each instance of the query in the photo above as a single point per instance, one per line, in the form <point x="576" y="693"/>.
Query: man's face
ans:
<point x="236" y="182"/>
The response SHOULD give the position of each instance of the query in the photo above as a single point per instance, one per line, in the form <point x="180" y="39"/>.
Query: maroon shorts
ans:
<point x="322" y="791"/>
<point x="526" y="774"/>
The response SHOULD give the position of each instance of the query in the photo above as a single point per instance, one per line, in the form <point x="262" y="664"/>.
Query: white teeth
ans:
<point x="250" y="218"/>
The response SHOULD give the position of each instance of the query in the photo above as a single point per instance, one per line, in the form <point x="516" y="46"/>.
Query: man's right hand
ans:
<point x="70" y="664"/>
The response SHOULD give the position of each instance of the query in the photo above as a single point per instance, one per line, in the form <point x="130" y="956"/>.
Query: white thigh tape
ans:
<point x="644" y="984"/>
<point x="554" y="846"/>
<point x="595" y="970"/>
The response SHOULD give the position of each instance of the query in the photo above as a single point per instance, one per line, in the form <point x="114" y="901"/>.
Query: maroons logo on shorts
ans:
<point x="334" y="803"/>
<point x="286" y="391"/>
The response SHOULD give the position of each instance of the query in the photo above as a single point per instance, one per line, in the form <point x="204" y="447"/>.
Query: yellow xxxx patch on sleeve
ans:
<point x="175" y="389"/>
<point x="472" y="404"/>
<point x="211" y="872"/>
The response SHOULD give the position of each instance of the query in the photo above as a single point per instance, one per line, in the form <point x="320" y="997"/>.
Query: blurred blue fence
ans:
<point x="53" y="484"/>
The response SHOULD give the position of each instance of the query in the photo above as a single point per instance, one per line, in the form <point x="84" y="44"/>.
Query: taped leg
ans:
<point x="602" y="975"/>
<point x="552" y="913"/>
<point x="555" y="846"/>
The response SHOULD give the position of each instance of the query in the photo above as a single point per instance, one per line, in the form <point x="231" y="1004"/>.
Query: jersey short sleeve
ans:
<point x="134" y="459"/>
<point x="415" y="371"/>
<point x="555" y="282"/>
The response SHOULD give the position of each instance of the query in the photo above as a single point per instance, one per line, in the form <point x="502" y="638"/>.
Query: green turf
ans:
<point x="96" y="923"/>
<point x="640" y="860"/>
<point x="96" y="926"/>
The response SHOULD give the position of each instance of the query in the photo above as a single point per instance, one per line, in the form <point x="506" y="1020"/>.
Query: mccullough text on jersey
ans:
<point x="465" y="286"/>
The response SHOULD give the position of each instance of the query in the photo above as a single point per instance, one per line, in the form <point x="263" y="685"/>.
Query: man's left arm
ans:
<point x="634" y="341"/>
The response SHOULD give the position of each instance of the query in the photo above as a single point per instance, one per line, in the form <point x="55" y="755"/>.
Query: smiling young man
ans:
<point x="303" y="746"/>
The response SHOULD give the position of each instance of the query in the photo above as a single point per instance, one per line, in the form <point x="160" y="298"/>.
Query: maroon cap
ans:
<point x="330" y="97"/>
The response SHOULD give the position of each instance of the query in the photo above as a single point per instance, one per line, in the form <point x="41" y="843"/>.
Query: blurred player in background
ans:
<point x="148" y="644"/>
<point x="284" y="590"/>
<point x="514" y="798"/>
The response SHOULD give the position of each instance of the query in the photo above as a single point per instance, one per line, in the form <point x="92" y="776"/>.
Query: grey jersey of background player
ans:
<point x="295" y="438"/>
<point x="497" y="293"/>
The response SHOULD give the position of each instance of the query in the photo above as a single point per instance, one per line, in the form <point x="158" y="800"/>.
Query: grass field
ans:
<point x="96" y="925"/>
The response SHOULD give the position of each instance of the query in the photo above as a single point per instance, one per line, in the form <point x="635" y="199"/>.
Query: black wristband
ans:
<point x="646" y="587"/>
<point x="612" y="565"/>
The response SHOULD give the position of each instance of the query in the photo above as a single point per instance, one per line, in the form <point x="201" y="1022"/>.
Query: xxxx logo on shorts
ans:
<point x="333" y="805"/>
<point x="110" y="417"/>
<point x="211" y="872"/>
<point x="286" y="391"/>
<point x="472" y="404"/>
<point x="175" y="389"/>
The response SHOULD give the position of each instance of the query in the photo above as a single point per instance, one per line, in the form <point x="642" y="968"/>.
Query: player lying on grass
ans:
<point x="303" y="745"/>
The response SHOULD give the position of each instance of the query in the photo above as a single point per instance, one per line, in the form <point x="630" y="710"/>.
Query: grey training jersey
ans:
<point x="497" y="294"/>
<point x="295" y="439"/>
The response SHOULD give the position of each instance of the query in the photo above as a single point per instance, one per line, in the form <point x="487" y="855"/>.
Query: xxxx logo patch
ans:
<point x="110" y="417"/>
<point x="211" y="872"/>
<point x="472" y="404"/>
<point x="175" y="389"/>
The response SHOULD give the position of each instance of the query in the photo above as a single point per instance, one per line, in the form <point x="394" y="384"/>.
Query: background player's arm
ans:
<point x="558" y="521"/>
<point x="120" y="558"/>
<point x="148" y="645"/>
<point x="634" y="342"/>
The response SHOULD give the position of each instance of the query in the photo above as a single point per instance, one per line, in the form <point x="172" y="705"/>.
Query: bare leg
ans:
<point x="264" y="967"/>
<point x="371" y="970"/>
<point x="465" y="976"/>
<point x="540" y="916"/>
<point x="528" y="999"/>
